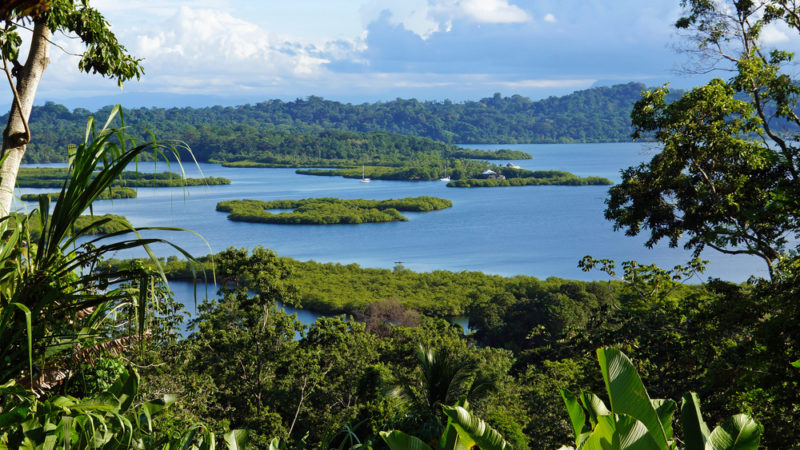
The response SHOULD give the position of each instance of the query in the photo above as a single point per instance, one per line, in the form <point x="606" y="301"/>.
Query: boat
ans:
<point x="513" y="166"/>
<point x="445" y="177"/>
<point x="363" y="178"/>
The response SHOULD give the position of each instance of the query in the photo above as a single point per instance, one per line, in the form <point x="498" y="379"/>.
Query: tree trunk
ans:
<point x="14" y="136"/>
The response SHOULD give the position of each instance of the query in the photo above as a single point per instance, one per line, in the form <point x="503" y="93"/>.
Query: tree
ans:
<point x="103" y="55"/>
<point x="727" y="177"/>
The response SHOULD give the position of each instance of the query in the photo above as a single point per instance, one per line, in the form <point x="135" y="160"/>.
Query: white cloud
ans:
<point x="771" y="34"/>
<point x="491" y="11"/>
<point x="208" y="51"/>
<point x="549" y="18"/>
<point x="426" y="17"/>
<point x="214" y="43"/>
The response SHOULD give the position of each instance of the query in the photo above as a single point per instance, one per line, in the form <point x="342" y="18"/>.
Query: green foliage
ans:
<point x="333" y="288"/>
<point x="463" y="432"/>
<point x="103" y="53"/>
<point x="93" y="225"/>
<point x="474" y="431"/>
<point x="464" y="174"/>
<point x="727" y="177"/>
<point x="48" y="177"/>
<point x="329" y="211"/>
<point x="637" y="421"/>
<point x="648" y="286"/>
<point x="471" y="153"/>
<point x="520" y="177"/>
<point x="418" y="170"/>
<point x="113" y="193"/>
<point x="713" y="184"/>
<point x="110" y="419"/>
<point x="50" y="278"/>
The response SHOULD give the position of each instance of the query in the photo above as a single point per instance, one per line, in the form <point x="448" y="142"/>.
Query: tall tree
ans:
<point x="727" y="177"/>
<point x="103" y="54"/>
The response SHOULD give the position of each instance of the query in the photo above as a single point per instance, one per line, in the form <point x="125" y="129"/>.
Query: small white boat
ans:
<point x="363" y="178"/>
<point x="445" y="177"/>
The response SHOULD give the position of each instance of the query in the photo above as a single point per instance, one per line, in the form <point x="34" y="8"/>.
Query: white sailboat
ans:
<point x="445" y="177"/>
<point x="363" y="178"/>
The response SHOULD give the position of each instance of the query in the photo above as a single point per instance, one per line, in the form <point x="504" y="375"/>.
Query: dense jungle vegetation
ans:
<point x="102" y="356"/>
<point x="273" y="131"/>
<point x="328" y="211"/>
<point x="532" y="337"/>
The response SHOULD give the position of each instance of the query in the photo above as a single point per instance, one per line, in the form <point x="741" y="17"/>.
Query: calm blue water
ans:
<point x="534" y="230"/>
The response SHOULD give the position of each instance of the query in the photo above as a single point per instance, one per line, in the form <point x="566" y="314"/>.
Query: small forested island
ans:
<point x="113" y="193"/>
<point x="531" y="178"/>
<point x="50" y="177"/>
<point x="329" y="211"/>
<point x="411" y="171"/>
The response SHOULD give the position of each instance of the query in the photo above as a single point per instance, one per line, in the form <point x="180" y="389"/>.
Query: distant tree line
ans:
<point x="114" y="192"/>
<point x="283" y="129"/>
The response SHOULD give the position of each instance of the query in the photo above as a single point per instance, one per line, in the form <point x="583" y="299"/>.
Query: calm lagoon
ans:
<point x="540" y="231"/>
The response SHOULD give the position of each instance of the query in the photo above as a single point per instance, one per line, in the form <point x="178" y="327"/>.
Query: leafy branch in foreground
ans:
<point x="50" y="298"/>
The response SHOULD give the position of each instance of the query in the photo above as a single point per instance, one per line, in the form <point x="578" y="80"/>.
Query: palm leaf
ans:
<point x="397" y="440"/>
<point x="627" y="393"/>
<point x="695" y="430"/>
<point x="474" y="430"/>
<point x="740" y="432"/>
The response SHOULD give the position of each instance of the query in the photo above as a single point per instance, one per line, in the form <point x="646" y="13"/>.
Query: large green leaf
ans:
<point x="101" y="402"/>
<point x="576" y="416"/>
<point x="277" y="444"/>
<point x="632" y="434"/>
<point x="237" y="439"/>
<point x="473" y="428"/>
<point x="29" y="329"/>
<point x="594" y="406"/>
<point x="397" y="440"/>
<point x="602" y="437"/>
<point x="695" y="430"/>
<point x="14" y="416"/>
<point x="125" y="388"/>
<point x="627" y="393"/>
<point x="665" y="408"/>
<point x="740" y="432"/>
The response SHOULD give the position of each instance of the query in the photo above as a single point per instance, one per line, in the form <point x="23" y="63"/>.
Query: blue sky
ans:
<point x="231" y="52"/>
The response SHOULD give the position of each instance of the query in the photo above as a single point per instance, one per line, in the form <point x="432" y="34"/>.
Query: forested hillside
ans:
<point x="286" y="128"/>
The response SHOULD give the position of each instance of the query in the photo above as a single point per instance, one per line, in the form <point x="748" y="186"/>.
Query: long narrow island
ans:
<point x="53" y="177"/>
<point x="328" y="211"/>
<point x="464" y="173"/>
